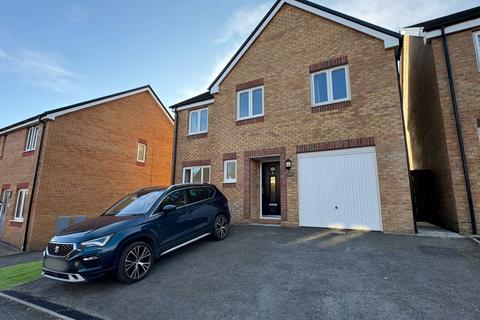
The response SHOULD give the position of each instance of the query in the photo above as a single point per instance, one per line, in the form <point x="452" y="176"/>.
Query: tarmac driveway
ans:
<point x="280" y="273"/>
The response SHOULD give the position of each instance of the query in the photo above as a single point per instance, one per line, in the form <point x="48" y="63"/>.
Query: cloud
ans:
<point x="395" y="15"/>
<point x="242" y="22"/>
<point x="42" y="69"/>
<point x="238" y="26"/>
<point x="389" y="14"/>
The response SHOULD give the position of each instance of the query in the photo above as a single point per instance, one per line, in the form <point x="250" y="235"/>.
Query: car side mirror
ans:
<point x="169" y="208"/>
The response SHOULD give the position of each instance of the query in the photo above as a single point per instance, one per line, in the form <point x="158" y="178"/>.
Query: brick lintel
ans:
<point x="336" y="145"/>
<point x="230" y="156"/>
<point x="22" y="185"/>
<point x="249" y="84"/>
<point x="327" y="64"/>
<point x="194" y="163"/>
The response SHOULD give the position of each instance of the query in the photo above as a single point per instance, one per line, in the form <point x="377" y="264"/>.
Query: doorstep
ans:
<point x="261" y="221"/>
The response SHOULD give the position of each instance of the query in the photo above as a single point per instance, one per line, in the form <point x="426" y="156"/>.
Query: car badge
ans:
<point x="56" y="249"/>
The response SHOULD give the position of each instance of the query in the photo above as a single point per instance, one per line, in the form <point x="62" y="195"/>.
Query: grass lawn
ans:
<point x="19" y="274"/>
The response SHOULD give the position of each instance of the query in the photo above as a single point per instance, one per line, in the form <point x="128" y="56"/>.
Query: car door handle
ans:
<point x="188" y="212"/>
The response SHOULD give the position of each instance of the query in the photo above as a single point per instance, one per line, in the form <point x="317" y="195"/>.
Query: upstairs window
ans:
<point x="476" y="40"/>
<point x="330" y="86"/>
<point x="196" y="174"/>
<point x="3" y="141"/>
<point x="198" y="122"/>
<point x="250" y="103"/>
<point x="478" y="128"/>
<point x="141" y="152"/>
<point x="31" y="139"/>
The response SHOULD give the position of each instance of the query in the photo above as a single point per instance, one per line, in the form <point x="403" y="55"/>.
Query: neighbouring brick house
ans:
<point x="304" y="125"/>
<point x="441" y="77"/>
<point x="89" y="155"/>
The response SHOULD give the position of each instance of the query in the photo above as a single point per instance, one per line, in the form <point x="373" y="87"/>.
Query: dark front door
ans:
<point x="271" y="189"/>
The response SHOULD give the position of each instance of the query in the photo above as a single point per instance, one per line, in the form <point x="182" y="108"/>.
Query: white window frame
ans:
<point x="225" y="163"/>
<point x="201" y="170"/>
<point x="330" y="99"/>
<point x="144" y="152"/>
<point x="476" y="43"/>
<point x="250" y="103"/>
<point x="3" y="142"/>
<point x="21" y="196"/>
<point x="199" y="121"/>
<point x="31" y="142"/>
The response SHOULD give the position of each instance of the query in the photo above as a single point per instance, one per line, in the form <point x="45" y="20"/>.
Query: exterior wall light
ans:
<point x="288" y="165"/>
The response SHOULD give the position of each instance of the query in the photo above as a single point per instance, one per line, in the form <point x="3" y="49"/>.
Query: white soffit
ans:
<point x="389" y="41"/>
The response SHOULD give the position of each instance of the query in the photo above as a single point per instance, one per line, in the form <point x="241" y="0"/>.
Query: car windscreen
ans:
<point x="135" y="203"/>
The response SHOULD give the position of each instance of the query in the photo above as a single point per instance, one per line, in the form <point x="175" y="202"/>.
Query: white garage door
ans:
<point x="339" y="189"/>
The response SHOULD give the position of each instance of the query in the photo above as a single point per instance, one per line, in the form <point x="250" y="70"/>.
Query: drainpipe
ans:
<point x="174" y="156"/>
<point x="37" y="166"/>
<point x="459" y="132"/>
<point x="397" y="60"/>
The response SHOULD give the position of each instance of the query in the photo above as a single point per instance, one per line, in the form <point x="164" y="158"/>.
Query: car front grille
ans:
<point x="59" y="249"/>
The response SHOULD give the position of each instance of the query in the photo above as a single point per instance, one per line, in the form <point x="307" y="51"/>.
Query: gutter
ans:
<point x="174" y="156"/>
<point x="459" y="131"/>
<point x="400" y="93"/>
<point x="37" y="166"/>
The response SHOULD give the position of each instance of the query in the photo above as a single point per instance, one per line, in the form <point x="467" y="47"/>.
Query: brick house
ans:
<point x="441" y="80"/>
<point x="79" y="160"/>
<point x="303" y="127"/>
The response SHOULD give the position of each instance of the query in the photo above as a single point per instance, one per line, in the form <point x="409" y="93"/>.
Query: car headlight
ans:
<point x="98" y="242"/>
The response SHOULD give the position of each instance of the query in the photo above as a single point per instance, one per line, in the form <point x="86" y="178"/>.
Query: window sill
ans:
<point x="229" y="185"/>
<point x="140" y="164"/>
<point x="198" y="135"/>
<point x="242" y="122"/>
<point x="15" y="223"/>
<point x="28" y="153"/>
<point x="331" y="106"/>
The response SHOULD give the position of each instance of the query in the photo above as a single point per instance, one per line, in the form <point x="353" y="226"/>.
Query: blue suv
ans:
<point x="139" y="228"/>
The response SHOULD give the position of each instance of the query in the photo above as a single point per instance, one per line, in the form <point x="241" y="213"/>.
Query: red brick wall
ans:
<point x="16" y="172"/>
<point x="467" y="79"/>
<point x="90" y="160"/>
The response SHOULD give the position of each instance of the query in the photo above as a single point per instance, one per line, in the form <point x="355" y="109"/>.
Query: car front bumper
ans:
<point x="80" y="266"/>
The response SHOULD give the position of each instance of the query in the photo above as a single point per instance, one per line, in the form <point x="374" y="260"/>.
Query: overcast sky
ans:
<point x="55" y="53"/>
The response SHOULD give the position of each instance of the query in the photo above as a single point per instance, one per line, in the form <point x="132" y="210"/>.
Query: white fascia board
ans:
<point x="52" y="116"/>
<point x="164" y="109"/>
<point x="415" y="32"/>
<point x="26" y="124"/>
<point x="454" y="28"/>
<point x="194" y="105"/>
<point x="389" y="41"/>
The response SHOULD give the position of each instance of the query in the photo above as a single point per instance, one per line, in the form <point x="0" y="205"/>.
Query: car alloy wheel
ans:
<point x="221" y="226"/>
<point x="138" y="262"/>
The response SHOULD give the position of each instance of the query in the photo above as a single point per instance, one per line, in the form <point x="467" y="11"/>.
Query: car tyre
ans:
<point x="135" y="262"/>
<point x="221" y="227"/>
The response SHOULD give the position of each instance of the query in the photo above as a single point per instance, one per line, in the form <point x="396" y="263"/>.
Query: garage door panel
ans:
<point x="339" y="189"/>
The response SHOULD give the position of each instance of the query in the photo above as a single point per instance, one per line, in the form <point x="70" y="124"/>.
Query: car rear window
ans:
<point x="199" y="194"/>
